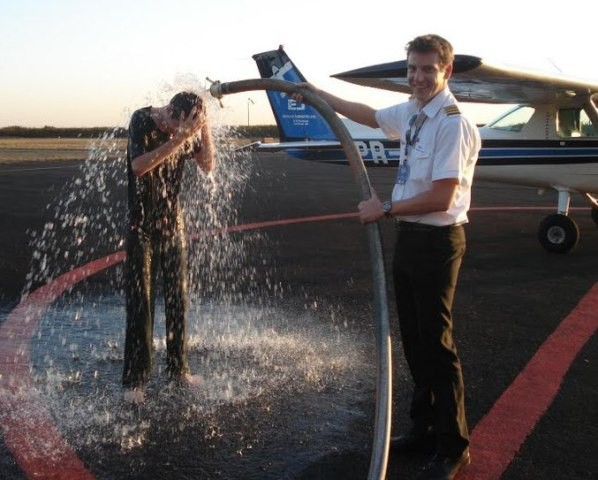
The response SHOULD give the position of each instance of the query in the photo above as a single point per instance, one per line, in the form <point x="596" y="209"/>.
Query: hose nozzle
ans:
<point x="216" y="90"/>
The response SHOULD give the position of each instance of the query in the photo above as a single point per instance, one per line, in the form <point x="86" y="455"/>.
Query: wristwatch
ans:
<point x="386" y="208"/>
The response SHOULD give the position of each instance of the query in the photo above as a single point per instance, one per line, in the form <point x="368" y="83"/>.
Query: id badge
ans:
<point x="403" y="174"/>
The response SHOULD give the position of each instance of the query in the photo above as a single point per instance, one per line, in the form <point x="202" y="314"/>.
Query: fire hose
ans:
<point x="382" y="420"/>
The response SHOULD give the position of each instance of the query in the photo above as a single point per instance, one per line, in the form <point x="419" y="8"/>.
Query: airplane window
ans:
<point x="514" y="120"/>
<point x="587" y="128"/>
<point x="568" y="122"/>
<point x="574" y="122"/>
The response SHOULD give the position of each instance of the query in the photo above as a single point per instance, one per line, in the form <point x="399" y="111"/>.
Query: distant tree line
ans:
<point x="251" y="131"/>
<point x="60" y="132"/>
<point x="257" y="131"/>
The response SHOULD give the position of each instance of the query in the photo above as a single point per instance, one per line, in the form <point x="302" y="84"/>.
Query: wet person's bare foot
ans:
<point x="190" y="380"/>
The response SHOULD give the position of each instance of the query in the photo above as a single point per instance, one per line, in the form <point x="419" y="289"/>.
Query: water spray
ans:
<point x="379" y="457"/>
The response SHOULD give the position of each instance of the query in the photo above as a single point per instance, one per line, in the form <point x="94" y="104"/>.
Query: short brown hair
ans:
<point x="432" y="43"/>
<point x="184" y="102"/>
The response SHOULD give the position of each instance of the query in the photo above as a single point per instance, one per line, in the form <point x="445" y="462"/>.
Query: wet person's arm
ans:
<point x="150" y="160"/>
<point x="205" y="158"/>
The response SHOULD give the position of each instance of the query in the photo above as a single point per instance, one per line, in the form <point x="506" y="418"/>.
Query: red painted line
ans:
<point x="519" y="209"/>
<point x="29" y="432"/>
<point x="272" y="223"/>
<point x="498" y="437"/>
<point x="41" y="452"/>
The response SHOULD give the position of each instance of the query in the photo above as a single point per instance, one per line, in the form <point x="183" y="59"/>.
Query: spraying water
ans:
<point x="260" y="356"/>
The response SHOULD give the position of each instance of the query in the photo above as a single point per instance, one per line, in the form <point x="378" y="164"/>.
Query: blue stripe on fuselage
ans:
<point x="372" y="151"/>
<point x="544" y="156"/>
<point x="387" y="153"/>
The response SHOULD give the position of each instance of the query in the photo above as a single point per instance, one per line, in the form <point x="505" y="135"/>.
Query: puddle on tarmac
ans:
<point x="283" y="388"/>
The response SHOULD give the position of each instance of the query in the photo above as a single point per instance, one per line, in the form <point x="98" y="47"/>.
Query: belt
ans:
<point x="421" y="227"/>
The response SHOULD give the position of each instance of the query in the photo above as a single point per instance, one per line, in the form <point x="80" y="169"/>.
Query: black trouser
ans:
<point x="426" y="267"/>
<point x="144" y="255"/>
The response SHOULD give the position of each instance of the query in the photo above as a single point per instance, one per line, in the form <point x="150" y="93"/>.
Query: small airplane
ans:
<point x="548" y="140"/>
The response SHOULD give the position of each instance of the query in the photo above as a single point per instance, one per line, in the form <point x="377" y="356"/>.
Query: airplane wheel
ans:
<point x="558" y="233"/>
<point x="595" y="214"/>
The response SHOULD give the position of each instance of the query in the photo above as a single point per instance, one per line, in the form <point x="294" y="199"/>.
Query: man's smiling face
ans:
<point x="426" y="75"/>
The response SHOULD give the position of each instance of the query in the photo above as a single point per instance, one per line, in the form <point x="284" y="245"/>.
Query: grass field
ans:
<point x="38" y="149"/>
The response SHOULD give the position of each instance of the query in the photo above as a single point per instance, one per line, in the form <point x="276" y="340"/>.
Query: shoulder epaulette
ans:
<point x="452" y="110"/>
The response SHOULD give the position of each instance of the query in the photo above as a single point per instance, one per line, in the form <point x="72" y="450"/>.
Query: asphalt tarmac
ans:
<point x="531" y="388"/>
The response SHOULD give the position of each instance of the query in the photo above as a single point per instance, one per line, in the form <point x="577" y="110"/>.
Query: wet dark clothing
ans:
<point x="153" y="197"/>
<point x="155" y="238"/>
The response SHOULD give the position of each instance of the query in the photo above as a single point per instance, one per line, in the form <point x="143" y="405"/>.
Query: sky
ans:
<point x="73" y="63"/>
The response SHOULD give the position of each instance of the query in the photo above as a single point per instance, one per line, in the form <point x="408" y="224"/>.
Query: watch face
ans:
<point x="387" y="206"/>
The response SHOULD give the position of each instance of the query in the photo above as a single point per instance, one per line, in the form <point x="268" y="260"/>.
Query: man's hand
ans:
<point x="298" y="97"/>
<point x="188" y="126"/>
<point x="370" y="210"/>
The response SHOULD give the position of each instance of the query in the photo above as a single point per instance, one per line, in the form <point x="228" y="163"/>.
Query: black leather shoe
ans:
<point x="415" y="441"/>
<point x="445" y="468"/>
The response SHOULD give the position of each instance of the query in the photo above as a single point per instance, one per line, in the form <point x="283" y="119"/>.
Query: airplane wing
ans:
<point x="475" y="80"/>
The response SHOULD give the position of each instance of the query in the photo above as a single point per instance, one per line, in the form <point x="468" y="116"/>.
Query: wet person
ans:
<point x="160" y="140"/>
<point x="429" y="202"/>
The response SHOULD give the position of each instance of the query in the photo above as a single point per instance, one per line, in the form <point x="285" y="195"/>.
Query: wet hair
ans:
<point x="432" y="43"/>
<point x="184" y="102"/>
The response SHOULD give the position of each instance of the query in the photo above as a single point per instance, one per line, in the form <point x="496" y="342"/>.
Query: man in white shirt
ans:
<point x="430" y="201"/>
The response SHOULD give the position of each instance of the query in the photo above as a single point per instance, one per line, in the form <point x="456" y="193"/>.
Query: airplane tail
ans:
<point x="296" y="121"/>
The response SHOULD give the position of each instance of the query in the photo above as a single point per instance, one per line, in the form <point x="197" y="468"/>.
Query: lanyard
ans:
<point x="416" y="120"/>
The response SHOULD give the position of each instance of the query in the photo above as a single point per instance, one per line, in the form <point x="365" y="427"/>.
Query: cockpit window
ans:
<point x="514" y="120"/>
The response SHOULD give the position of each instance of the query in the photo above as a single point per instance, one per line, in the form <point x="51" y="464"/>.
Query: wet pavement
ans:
<point x="282" y="333"/>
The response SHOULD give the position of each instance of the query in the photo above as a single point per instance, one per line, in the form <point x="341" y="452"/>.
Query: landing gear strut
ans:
<point x="594" y="204"/>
